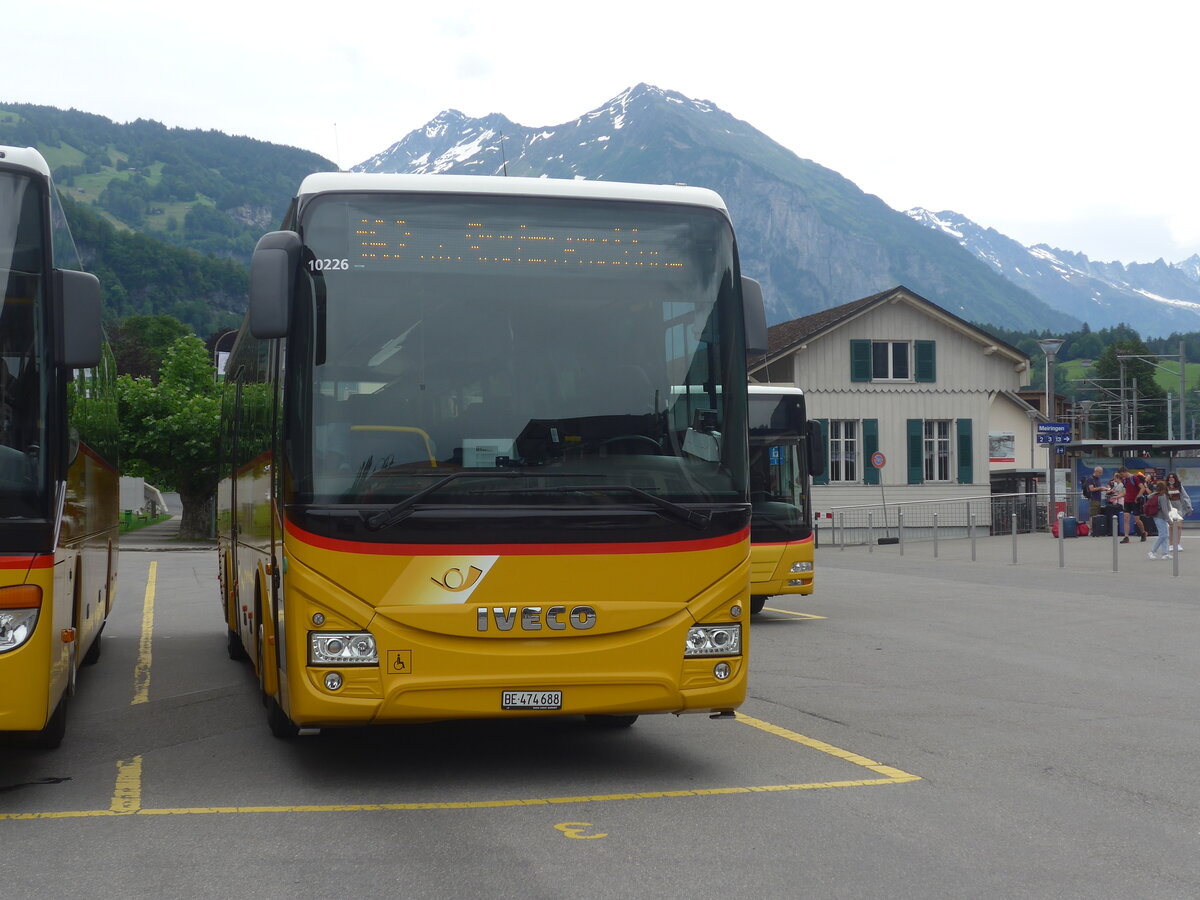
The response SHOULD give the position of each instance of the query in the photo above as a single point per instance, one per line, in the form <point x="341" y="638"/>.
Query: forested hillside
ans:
<point x="204" y="190"/>
<point x="142" y="276"/>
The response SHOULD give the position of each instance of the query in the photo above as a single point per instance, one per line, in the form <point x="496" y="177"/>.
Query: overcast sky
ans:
<point x="1055" y="121"/>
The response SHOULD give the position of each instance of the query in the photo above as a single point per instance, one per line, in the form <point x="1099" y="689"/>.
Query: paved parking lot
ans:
<point x="916" y="728"/>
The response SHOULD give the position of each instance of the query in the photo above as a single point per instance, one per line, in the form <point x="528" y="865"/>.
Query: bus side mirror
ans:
<point x="754" y="312"/>
<point x="273" y="269"/>
<point x="816" y="450"/>
<point x="80" y="336"/>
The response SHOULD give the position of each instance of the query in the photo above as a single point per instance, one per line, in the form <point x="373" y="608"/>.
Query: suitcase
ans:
<point x="1101" y="526"/>
<point x="1070" y="526"/>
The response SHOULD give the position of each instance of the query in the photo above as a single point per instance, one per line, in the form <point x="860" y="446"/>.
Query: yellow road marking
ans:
<point x="893" y="775"/>
<point x="788" y="612"/>
<point x="127" y="795"/>
<point x="141" y="671"/>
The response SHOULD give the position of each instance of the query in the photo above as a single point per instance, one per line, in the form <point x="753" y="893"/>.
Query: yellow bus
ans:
<point x="485" y="453"/>
<point x="58" y="473"/>
<point x="785" y="451"/>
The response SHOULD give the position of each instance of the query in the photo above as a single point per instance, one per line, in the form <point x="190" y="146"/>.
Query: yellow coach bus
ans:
<point x="485" y="453"/>
<point x="58" y="474"/>
<point x="785" y="451"/>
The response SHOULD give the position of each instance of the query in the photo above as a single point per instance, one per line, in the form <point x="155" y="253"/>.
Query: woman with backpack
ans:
<point x="1159" y="505"/>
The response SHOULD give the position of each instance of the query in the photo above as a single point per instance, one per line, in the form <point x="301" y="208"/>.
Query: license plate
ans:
<point x="531" y="700"/>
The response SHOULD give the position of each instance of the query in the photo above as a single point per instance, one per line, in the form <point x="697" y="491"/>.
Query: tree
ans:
<point x="141" y="343"/>
<point x="169" y="430"/>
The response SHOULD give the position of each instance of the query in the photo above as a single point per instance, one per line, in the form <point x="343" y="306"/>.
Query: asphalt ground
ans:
<point x="918" y="727"/>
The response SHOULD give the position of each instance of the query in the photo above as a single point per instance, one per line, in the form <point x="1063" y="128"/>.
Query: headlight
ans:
<point x="19" y="608"/>
<point x="802" y="567"/>
<point x="329" y="648"/>
<point x="714" y="640"/>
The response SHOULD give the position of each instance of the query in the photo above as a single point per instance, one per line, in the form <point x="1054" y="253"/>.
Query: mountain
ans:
<point x="203" y="190"/>
<point x="1154" y="298"/>
<point x="809" y="235"/>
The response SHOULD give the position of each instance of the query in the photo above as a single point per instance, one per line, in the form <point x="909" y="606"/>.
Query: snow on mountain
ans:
<point x="1155" y="299"/>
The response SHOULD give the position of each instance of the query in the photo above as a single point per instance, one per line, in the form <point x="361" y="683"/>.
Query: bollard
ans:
<point x="870" y="533"/>
<point x="900" y="530"/>
<point x="1014" y="534"/>
<point x="935" y="531"/>
<point x="1062" y="540"/>
<point x="971" y="525"/>
<point x="842" y="530"/>
<point x="1115" y="540"/>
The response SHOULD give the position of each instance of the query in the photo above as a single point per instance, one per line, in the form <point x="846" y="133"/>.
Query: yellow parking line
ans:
<point x="127" y="795"/>
<point x="141" y="671"/>
<point x="788" y="612"/>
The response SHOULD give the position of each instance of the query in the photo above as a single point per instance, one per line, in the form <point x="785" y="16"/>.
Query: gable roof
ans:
<point x="785" y="337"/>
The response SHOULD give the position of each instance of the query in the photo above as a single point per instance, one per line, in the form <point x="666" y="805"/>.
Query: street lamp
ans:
<point x="233" y="332"/>
<point x="1050" y="347"/>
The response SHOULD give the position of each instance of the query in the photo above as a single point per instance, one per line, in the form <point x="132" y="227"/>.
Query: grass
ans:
<point x="138" y="522"/>
<point x="1167" y="377"/>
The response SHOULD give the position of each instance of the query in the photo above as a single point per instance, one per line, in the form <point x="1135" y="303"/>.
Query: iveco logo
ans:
<point x="533" y="618"/>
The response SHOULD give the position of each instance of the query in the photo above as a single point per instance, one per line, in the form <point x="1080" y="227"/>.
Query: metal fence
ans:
<point x="933" y="520"/>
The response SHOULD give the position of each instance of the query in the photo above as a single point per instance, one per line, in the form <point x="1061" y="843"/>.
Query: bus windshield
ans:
<point x="22" y="385"/>
<point x="779" y="468"/>
<point x="572" y="343"/>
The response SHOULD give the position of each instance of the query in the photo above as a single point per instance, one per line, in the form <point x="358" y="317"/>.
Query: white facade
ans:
<point x="930" y="391"/>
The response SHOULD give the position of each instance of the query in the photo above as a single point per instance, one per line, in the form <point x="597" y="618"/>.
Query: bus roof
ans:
<point x="26" y="157"/>
<point x="775" y="390"/>
<point x="356" y="182"/>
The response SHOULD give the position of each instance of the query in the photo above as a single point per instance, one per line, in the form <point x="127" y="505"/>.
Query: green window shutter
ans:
<point x="926" y="363"/>
<point x="823" y="478"/>
<point x="966" y="464"/>
<point x="860" y="360"/>
<point x="916" y="451"/>
<point x="870" y="443"/>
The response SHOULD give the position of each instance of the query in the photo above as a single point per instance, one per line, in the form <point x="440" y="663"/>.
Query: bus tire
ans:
<point x="50" y="737"/>
<point x="610" y="722"/>
<point x="757" y="602"/>
<point x="93" y="652"/>
<point x="234" y="646"/>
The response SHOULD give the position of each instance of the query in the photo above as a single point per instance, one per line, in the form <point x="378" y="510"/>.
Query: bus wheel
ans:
<point x="234" y="646"/>
<point x="757" y="602"/>
<point x="610" y="722"/>
<point x="93" y="654"/>
<point x="51" y="736"/>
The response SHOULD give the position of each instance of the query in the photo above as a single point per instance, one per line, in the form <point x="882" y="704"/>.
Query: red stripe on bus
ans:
<point x="589" y="549"/>
<point x="27" y="562"/>
<point x="807" y="540"/>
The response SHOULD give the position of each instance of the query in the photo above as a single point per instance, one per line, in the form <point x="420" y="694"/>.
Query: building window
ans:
<point x="937" y="450"/>
<point x="889" y="361"/>
<point x="843" y="450"/>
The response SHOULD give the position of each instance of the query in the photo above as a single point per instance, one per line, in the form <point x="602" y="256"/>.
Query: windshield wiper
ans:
<point x="401" y="510"/>
<point x="690" y="516"/>
<point x="404" y="508"/>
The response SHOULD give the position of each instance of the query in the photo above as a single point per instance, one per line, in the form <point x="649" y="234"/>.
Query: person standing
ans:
<point x="1135" y="487"/>
<point x="1160" y="507"/>
<point x="1183" y="503"/>
<point x="1094" y="491"/>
